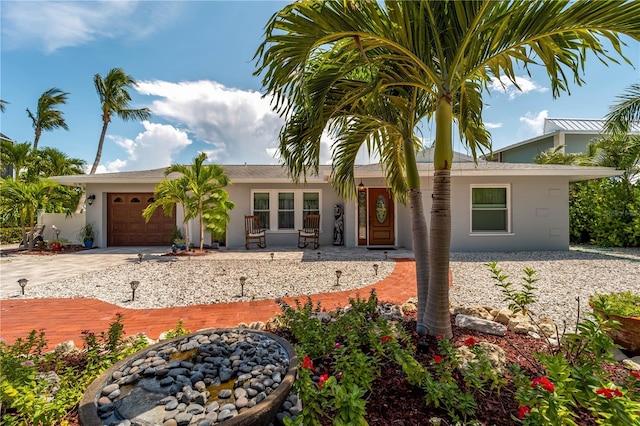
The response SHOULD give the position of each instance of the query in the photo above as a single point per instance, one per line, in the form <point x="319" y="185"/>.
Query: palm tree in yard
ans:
<point x="15" y="155"/>
<point x="168" y="194"/>
<point x="442" y="52"/>
<point x="115" y="99"/>
<point x="207" y="198"/>
<point x="47" y="117"/>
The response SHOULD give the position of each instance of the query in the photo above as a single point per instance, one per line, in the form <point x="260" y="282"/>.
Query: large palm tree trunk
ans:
<point x="420" y="238"/>
<point x="100" y="144"/>
<point x="437" y="313"/>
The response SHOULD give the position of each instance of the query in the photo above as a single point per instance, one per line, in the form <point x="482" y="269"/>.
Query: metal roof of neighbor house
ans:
<point x="278" y="174"/>
<point x="579" y="125"/>
<point x="6" y="138"/>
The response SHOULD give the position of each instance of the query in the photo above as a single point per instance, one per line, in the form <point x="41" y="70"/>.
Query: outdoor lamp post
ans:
<point x="134" y="285"/>
<point x="271" y="254"/>
<point x="338" y="275"/>
<point x="243" y="279"/>
<point x="375" y="268"/>
<point x="23" y="283"/>
<point x="140" y="256"/>
<point x="386" y="255"/>
<point x="318" y="255"/>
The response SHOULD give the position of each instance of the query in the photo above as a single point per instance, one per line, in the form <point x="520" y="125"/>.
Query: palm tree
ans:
<point x="115" y="99"/>
<point x="169" y="193"/>
<point x="47" y="117"/>
<point x="207" y="198"/>
<point x="447" y="51"/>
<point x="53" y="162"/>
<point x="24" y="200"/>
<point x="627" y="111"/>
<point x="2" y="105"/>
<point x="555" y="155"/>
<point x="16" y="156"/>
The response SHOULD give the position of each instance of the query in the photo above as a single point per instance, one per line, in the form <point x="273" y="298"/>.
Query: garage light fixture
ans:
<point x="90" y="199"/>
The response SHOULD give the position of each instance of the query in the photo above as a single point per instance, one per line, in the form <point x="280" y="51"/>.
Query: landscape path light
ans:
<point x="271" y="254"/>
<point x="134" y="286"/>
<point x="375" y="268"/>
<point x="386" y="255"/>
<point x="140" y="256"/>
<point x="23" y="283"/>
<point x="318" y="255"/>
<point x="243" y="279"/>
<point x="338" y="275"/>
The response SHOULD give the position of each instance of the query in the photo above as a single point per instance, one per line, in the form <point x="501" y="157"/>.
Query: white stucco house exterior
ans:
<point x="495" y="206"/>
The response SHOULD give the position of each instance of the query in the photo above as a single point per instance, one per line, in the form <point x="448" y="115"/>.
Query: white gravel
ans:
<point x="563" y="276"/>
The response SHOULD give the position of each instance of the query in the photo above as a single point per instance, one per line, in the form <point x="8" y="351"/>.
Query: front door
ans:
<point x="381" y="217"/>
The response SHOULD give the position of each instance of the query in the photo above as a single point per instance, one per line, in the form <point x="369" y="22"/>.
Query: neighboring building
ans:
<point x="7" y="170"/>
<point x="494" y="206"/>
<point x="572" y="134"/>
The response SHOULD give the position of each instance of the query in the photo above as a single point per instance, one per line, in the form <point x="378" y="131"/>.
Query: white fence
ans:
<point x="69" y="226"/>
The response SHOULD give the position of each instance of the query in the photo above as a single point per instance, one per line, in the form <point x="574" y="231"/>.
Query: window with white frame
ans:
<point x="490" y="208"/>
<point x="292" y="207"/>
<point x="261" y="209"/>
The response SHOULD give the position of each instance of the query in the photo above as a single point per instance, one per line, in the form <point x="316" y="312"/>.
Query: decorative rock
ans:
<point x="66" y="348"/>
<point x="473" y="311"/>
<point x="632" y="363"/>
<point x="618" y="355"/>
<point x="547" y="327"/>
<point x="183" y="419"/>
<point x="242" y="402"/>
<point x="482" y="325"/>
<point x="224" y="394"/>
<point x="520" y="324"/>
<point x="170" y="422"/>
<point x="503" y="316"/>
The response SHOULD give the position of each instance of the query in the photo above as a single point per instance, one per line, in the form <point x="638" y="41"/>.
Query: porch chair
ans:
<point x="311" y="231"/>
<point x="38" y="240"/>
<point x="253" y="233"/>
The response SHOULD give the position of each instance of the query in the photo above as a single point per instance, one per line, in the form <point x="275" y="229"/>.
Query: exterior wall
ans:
<point x="577" y="143"/>
<point x="539" y="215"/>
<point x="526" y="153"/>
<point x="241" y="195"/>
<point x="69" y="226"/>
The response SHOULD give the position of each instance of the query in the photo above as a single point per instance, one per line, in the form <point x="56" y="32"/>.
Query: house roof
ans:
<point x="278" y="174"/>
<point x="553" y="126"/>
<point x="2" y="136"/>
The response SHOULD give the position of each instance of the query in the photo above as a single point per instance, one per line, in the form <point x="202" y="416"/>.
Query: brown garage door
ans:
<point x="127" y="227"/>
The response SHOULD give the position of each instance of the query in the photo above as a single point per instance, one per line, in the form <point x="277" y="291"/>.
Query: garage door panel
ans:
<point x="127" y="227"/>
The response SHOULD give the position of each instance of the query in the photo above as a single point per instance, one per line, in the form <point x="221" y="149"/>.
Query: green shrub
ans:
<point x="10" y="235"/>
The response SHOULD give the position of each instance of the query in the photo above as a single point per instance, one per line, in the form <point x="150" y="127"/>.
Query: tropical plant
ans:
<point x="87" y="232"/>
<point x="444" y="53"/>
<point x="624" y="113"/>
<point x="2" y="105"/>
<point x="556" y="155"/>
<point x="168" y="194"/>
<point x="47" y="117"/>
<point x="622" y="303"/>
<point x="23" y="200"/>
<point x="15" y="155"/>
<point x="115" y="99"/>
<point x="206" y="196"/>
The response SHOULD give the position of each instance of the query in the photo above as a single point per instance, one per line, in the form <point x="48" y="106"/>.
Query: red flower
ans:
<point x="635" y="374"/>
<point x="523" y="411"/>
<point x="608" y="393"/>
<point x="385" y="339"/>
<point x="437" y="359"/>
<point x="440" y="336"/>
<point x="546" y="384"/>
<point x="470" y="341"/>
<point x="307" y="363"/>
<point x="337" y="345"/>
<point x="323" y="378"/>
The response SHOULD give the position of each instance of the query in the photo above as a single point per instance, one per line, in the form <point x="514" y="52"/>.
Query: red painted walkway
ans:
<point x="65" y="319"/>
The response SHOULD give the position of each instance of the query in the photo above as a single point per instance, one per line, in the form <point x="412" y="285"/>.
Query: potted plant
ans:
<point x="623" y="307"/>
<point x="87" y="234"/>
<point x="56" y="243"/>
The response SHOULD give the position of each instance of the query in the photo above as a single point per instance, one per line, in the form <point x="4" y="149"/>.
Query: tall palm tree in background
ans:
<point x="16" y="156"/>
<point x="448" y="51"/>
<point x="168" y="194"/>
<point x="115" y="99"/>
<point x="47" y="117"/>
<point x="207" y="198"/>
<point x="53" y="162"/>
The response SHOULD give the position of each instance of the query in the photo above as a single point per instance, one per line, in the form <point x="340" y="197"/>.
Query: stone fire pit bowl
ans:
<point x="215" y="376"/>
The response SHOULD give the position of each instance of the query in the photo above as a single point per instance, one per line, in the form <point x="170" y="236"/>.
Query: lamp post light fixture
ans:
<point x="134" y="285"/>
<point x="375" y="268"/>
<point x="243" y="279"/>
<point x="338" y="275"/>
<point x="271" y="254"/>
<point x="91" y="198"/>
<point x="23" y="283"/>
<point x="140" y="256"/>
<point x="318" y="255"/>
<point x="386" y="255"/>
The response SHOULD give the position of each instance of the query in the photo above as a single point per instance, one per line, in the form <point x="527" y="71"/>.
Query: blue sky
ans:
<point x="193" y="62"/>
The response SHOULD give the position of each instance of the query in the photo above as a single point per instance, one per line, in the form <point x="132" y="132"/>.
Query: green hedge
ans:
<point x="10" y="235"/>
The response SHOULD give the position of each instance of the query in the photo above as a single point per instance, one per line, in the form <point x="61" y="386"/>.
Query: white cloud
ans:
<point x="152" y="149"/>
<point x="533" y="124"/>
<point x="237" y="125"/>
<point x="52" y="25"/>
<point x="504" y="85"/>
<point x="492" y="125"/>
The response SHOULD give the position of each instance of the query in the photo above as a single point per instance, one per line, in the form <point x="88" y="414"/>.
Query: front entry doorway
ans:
<point x="381" y="217"/>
